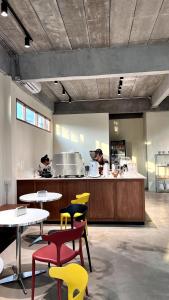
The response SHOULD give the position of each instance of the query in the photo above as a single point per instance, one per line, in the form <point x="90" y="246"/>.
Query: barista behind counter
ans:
<point x="45" y="167"/>
<point x="99" y="158"/>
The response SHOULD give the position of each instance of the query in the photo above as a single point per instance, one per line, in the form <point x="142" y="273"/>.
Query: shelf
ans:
<point x="162" y="178"/>
<point x="161" y="154"/>
<point x="164" y="166"/>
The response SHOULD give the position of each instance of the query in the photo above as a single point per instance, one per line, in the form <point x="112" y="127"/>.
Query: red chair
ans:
<point x="56" y="252"/>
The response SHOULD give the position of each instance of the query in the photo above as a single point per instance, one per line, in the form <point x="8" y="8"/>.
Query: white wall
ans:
<point x="82" y="133"/>
<point x="32" y="143"/>
<point x="132" y="131"/>
<point x="5" y="136"/>
<point x="157" y="125"/>
<point x="22" y="145"/>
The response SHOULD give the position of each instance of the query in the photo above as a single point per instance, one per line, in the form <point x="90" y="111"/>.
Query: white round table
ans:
<point x="8" y="218"/>
<point x="40" y="197"/>
<point x="1" y="265"/>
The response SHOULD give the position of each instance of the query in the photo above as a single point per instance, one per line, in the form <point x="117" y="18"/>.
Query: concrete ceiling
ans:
<point x="59" y="25"/>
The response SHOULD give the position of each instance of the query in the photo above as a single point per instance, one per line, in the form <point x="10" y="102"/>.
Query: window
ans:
<point x="41" y="121"/>
<point x="19" y="111"/>
<point x="30" y="116"/>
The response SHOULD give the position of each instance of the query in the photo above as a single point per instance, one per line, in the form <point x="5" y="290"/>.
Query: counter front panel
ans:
<point x="119" y="200"/>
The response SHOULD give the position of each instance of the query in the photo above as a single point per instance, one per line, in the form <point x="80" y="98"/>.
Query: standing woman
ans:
<point x="45" y="169"/>
<point x="99" y="158"/>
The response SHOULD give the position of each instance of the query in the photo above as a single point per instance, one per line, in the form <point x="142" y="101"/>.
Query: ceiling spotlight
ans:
<point x="120" y="82"/>
<point x="120" y="87"/>
<point x="70" y="99"/>
<point x="56" y="82"/>
<point x="27" y="42"/>
<point x="63" y="91"/>
<point x="119" y="92"/>
<point x="121" y="78"/>
<point x="4" y="9"/>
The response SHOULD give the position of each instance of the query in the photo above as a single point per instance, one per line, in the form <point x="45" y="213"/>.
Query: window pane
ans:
<point x="20" y="111"/>
<point x="30" y="116"/>
<point x="41" y="122"/>
<point x="47" y="125"/>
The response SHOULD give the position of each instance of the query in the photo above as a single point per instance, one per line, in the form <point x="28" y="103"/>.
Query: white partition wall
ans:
<point x="157" y="128"/>
<point x="82" y="133"/>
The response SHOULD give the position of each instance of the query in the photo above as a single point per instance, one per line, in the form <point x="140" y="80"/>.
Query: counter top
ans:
<point x="126" y="175"/>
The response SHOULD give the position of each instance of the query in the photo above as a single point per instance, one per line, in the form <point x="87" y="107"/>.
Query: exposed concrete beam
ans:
<point x="5" y="61"/>
<point x="161" y="92"/>
<point x="110" y="106"/>
<point x="95" y="62"/>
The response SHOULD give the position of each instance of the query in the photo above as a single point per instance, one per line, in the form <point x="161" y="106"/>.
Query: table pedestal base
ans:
<point x="19" y="277"/>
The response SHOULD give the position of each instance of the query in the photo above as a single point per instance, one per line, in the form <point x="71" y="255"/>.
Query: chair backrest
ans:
<point x="63" y="236"/>
<point x="81" y="198"/>
<point x="75" y="276"/>
<point x="72" y="209"/>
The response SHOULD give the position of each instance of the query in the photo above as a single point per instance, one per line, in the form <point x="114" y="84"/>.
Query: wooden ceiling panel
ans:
<point x="51" y="21"/>
<point x="97" y="15"/>
<point x="91" y="90"/>
<point x="74" y="19"/>
<point x="146" y="85"/>
<point x="161" y="28"/>
<point x="46" y="89"/>
<point x="121" y="19"/>
<point x="114" y="87"/>
<point x="103" y="85"/>
<point x="147" y="24"/>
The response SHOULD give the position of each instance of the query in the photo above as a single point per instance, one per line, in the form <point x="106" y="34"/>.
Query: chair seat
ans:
<point x="49" y="254"/>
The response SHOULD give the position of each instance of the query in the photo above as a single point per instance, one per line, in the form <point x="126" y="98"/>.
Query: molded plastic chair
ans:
<point x="76" y="278"/>
<point x="80" y="199"/>
<point x="81" y="209"/>
<point x="56" y="252"/>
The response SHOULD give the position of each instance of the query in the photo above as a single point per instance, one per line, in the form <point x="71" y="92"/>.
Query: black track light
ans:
<point x="120" y="87"/>
<point x="121" y="78"/>
<point x="27" y="42"/>
<point x="56" y="82"/>
<point x="120" y="82"/>
<point x="4" y="9"/>
<point x="63" y="91"/>
<point x="70" y="99"/>
<point x="119" y="92"/>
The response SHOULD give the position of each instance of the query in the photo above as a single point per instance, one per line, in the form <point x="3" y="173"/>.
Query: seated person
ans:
<point x="45" y="168"/>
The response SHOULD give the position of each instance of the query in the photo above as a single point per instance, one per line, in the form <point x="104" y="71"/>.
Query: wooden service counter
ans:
<point x="112" y="199"/>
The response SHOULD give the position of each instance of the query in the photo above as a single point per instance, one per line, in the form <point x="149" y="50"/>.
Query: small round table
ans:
<point x="40" y="197"/>
<point x="8" y="218"/>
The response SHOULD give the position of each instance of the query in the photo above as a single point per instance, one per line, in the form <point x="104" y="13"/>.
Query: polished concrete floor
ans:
<point x="129" y="262"/>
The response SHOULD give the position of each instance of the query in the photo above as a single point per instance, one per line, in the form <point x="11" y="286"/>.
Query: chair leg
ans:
<point x="65" y="222"/>
<point x="88" y="252"/>
<point x="59" y="283"/>
<point x="61" y="222"/>
<point x="33" y="279"/>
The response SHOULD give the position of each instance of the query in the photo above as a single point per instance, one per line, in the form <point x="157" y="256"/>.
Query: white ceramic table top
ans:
<point x="35" y="197"/>
<point x="8" y="218"/>
<point x="1" y="265"/>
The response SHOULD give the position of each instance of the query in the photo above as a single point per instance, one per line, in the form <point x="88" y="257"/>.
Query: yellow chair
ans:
<point x="76" y="278"/>
<point x="80" y="199"/>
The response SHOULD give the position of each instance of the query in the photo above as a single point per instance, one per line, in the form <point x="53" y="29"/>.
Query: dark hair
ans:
<point x="99" y="151"/>
<point x="44" y="158"/>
